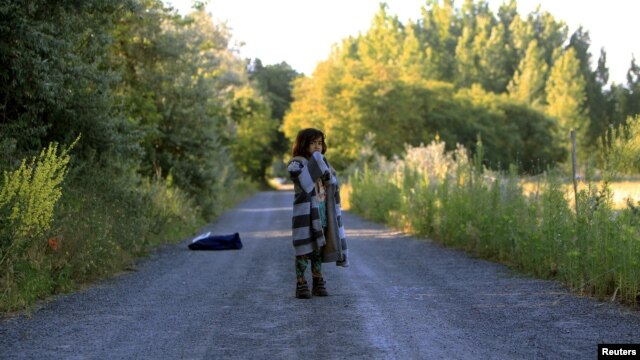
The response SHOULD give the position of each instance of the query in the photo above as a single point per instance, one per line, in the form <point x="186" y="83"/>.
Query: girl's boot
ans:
<point x="319" y="288"/>
<point x="302" y="291"/>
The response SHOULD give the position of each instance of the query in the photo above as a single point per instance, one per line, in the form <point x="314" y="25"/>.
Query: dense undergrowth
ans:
<point x="455" y="201"/>
<point x="63" y="227"/>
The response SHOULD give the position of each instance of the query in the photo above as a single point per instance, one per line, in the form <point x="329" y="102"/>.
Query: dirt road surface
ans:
<point x="401" y="298"/>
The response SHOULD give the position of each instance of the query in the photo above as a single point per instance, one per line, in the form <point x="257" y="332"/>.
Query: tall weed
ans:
<point x="28" y="197"/>
<point x="378" y="207"/>
<point x="104" y="225"/>
<point x="64" y="227"/>
<point x="456" y="201"/>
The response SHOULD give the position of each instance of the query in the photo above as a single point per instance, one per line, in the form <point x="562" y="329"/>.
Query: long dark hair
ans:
<point x="304" y="138"/>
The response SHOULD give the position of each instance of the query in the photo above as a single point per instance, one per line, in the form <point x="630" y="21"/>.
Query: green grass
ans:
<point x="488" y="214"/>
<point x="90" y="227"/>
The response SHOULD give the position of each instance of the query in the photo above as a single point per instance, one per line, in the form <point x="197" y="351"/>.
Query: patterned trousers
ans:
<point x="316" y="265"/>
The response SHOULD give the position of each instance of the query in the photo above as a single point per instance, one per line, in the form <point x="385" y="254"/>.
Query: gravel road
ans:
<point x="402" y="298"/>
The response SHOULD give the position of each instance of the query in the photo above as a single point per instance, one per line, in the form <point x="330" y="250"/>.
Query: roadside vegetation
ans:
<point x="125" y="125"/>
<point x="456" y="201"/>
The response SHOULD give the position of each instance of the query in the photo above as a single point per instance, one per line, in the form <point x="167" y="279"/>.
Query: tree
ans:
<point x="54" y="85"/>
<point x="360" y="94"/>
<point x="595" y="104"/>
<point x="614" y="99"/>
<point x="633" y="86"/>
<point x="521" y="35"/>
<point x="383" y="41"/>
<point x="494" y="61"/>
<point x="536" y="149"/>
<point x="179" y="77"/>
<point x="473" y="26"/>
<point x="254" y="133"/>
<point x="319" y="101"/>
<point x="507" y="14"/>
<point x="566" y="96"/>
<point x="528" y="83"/>
<point x="412" y="60"/>
<point x="513" y="133"/>
<point x="542" y="27"/>
<point x="481" y="52"/>
<point x="275" y="83"/>
<point x="476" y="16"/>
<point x="466" y="61"/>
<point x="439" y="34"/>
<point x="550" y="34"/>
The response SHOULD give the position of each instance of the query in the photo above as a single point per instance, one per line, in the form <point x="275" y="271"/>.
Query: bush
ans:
<point x="378" y="207"/>
<point x="28" y="197"/>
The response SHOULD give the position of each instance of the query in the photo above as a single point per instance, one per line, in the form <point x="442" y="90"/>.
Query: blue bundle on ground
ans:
<point x="216" y="242"/>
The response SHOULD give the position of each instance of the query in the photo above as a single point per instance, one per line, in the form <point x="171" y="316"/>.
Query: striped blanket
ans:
<point x="308" y="233"/>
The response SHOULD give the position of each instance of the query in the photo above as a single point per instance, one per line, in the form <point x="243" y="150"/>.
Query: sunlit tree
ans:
<point x="412" y="61"/>
<point x="528" y="83"/>
<point x="383" y="41"/>
<point x="494" y="61"/>
<point x="440" y="31"/>
<point x="595" y="81"/>
<point x="633" y="85"/>
<point x="566" y="96"/>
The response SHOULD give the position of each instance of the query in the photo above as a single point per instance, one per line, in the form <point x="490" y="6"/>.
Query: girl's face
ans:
<point x="315" y="145"/>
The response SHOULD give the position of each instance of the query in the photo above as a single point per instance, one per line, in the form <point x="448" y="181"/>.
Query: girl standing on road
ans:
<point x="318" y="235"/>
